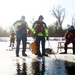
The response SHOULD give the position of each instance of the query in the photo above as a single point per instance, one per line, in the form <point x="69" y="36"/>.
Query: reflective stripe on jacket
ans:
<point x="12" y="35"/>
<point x="20" y="27"/>
<point x="42" y="31"/>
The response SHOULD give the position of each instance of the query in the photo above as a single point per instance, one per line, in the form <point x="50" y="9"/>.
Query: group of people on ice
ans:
<point x="39" y="31"/>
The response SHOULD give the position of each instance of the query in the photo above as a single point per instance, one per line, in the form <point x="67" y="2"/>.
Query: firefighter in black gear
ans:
<point x="20" y="27"/>
<point x="40" y="32"/>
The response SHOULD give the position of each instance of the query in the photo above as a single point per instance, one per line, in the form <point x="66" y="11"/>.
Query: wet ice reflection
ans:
<point x="33" y="67"/>
<point x="11" y="65"/>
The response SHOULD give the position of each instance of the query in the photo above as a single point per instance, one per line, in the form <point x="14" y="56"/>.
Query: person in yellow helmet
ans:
<point x="12" y="38"/>
<point x="20" y="27"/>
<point x="40" y="31"/>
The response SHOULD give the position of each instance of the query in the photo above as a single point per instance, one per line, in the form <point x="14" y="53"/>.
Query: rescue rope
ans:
<point x="52" y="49"/>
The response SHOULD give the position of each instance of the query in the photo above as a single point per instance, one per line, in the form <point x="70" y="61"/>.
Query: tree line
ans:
<point x="3" y="32"/>
<point x="55" y="30"/>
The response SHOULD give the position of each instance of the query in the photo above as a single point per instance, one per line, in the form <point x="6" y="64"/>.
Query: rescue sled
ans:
<point x="48" y="51"/>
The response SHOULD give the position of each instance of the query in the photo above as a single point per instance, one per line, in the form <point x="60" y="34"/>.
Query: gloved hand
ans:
<point x="47" y="38"/>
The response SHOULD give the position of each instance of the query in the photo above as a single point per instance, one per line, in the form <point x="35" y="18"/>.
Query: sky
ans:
<point x="12" y="10"/>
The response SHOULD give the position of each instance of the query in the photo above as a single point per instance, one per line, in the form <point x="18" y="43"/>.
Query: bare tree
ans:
<point x="59" y="14"/>
<point x="73" y="20"/>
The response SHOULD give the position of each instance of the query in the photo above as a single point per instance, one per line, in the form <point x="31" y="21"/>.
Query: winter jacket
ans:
<point x="40" y="29"/>
<point x="20" y="27"/>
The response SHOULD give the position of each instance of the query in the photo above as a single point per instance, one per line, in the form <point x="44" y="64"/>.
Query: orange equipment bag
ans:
<point x="33" y="47"/>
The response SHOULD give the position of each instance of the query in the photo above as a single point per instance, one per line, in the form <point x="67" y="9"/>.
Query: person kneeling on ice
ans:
<point x="40" y="31"/>
<point x="20" y="27"/>
<point x="70" y="38"/>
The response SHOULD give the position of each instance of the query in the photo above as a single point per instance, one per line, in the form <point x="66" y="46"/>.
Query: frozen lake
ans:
<point x="12" y="65"/>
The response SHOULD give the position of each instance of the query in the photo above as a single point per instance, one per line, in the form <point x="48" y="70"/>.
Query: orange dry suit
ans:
<point x="70" y="38"/>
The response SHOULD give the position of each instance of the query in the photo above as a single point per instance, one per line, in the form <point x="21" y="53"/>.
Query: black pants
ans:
<point x="40" y="39"/>
<point x="66" y="44"/>
<point x="20" y="38"/>
<point x="12" y="40"/>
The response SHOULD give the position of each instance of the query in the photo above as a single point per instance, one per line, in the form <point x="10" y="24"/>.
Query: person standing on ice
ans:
<point x="70" y="38"/>
<point x="20" y="27"/>
<point x="40" y="31"/>
<point x="12" y="38"/>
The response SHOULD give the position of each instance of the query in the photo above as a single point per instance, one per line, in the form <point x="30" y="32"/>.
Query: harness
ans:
<point x="12" y="35"/>
<point x="21" y="28"/>
<point x="39" y="29"/>
<point x="70" y="35"/>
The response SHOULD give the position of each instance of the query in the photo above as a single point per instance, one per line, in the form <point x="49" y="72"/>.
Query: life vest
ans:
<point x="40" y="29"/>
<point x="21" y="28"/>
<point x="12" y="35"/>
<point x="70" y="35"/>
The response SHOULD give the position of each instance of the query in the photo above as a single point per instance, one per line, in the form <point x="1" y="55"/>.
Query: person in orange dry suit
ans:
<point x="70" y="38"/>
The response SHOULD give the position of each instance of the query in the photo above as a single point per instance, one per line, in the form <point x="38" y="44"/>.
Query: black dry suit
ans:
<point x="20" y="27"/>
<point x="40" y="31"/>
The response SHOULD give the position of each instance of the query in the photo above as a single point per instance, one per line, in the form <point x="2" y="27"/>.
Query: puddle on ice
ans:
<point x="70" y="68"/>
